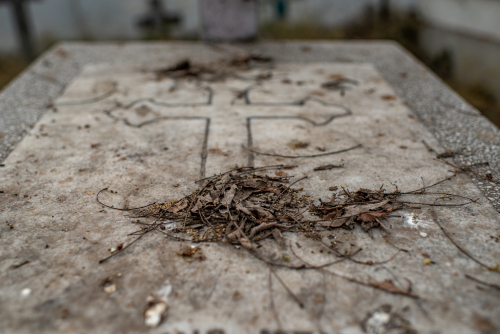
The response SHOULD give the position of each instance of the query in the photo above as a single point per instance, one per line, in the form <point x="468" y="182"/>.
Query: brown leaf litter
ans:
<point x="244" y="206"/>
<point x="218" y="71"/>
<point x="239" y="207"/>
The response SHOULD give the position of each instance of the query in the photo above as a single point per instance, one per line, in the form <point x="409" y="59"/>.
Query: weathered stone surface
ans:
<point x="117" y="126"/>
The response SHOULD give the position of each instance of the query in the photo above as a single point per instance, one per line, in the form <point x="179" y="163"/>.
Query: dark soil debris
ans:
<point x="191" y="252"/>
<point x="327" y="167"/>
<point x="214" y="72"/>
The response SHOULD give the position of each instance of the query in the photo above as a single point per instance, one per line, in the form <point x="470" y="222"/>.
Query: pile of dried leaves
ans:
<point x="244" y="206"/>
<point x="239" y="206"/>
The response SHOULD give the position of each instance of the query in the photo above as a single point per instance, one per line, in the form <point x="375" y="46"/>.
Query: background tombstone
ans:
<point x="228" y="20"/>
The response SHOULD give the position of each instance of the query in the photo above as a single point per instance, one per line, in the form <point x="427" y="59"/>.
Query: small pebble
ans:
<point x="26" y="292"/>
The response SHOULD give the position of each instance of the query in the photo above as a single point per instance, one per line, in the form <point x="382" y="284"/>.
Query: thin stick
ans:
<point x="366" y="263"/>
<point x="353" y="280"/>
<point x="89" y="100"/>
<point x="297" y="300"/>
<point x="468" y="171"/>
<point x="447" y="194"/>
<point x="97" y="199"/>
<point x="432" y="185"/>
<point x="302" y="156"/>
<point x="434" y="204"/>
<point x="245" y="169"/>
<point x="435" y="218"/>
<point x="121" y="250"/>
<point x="286" y="189"/>
<point x="273" y="306"/>
<point x="494" y="286"/>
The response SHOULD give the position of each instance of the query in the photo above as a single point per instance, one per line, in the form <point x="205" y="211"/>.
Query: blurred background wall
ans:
<point x="458" y="39"/>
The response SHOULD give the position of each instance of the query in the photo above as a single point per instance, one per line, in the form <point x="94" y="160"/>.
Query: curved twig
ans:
<point x="353" y="280"/>
<point x="89" y="100"/>
<point x="494" y="286"/>
<point x="468" y="171"/>
<point x="436" y="220"/>
<point x="302" y="156"/>
<point x="119" y="209"/>
<point x="297" y="300"/>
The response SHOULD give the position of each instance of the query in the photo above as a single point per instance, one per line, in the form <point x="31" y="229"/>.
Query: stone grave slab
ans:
<point x="148" y="138"/>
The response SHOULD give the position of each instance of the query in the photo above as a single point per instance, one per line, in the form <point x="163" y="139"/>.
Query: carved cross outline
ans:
<point x="248" y="101"/>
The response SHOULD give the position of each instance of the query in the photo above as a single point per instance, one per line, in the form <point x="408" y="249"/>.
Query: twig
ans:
<point x="302" y="156"/>
<point x="436" y="220"/>
<point x="432" y="185"/>
<point x="366" y="263"/>
<point x="121" y="250"/>
<point x="89" y="100"/>
<point x="297" y="300"/>
<point x="494" y="286"/>
<point x="353" y="280"/>
<point x="245" y="169"/>
<point x="286" y="189"/>
<point x="97" y="199"/>
<point x="273" y="306"/>
<point x="468" y="171"/>
<point x="434" y="204"/>
<point x="447" y="194"/>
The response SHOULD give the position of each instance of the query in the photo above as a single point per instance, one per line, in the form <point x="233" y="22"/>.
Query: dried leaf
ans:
<point x="254" y="183"/>
<point x="243" y="194"/>
<point x="202" y="201"/>
<point x="356" y="210"/>
<point x="241" y="208"/>
<point x="391" y="288"/>
<point x="259" y="228"/>
<point x="368" y="217"/>
<point x="228" y="197"/>
<point x="246" y="243"/>
<point x="327" y="167"/>
<point x="178" y="206"/>
<point x="258" y="211"/>
<point x="334" y="223"/>
<point x="334" y="214"/>
<point x="278" y="237"/>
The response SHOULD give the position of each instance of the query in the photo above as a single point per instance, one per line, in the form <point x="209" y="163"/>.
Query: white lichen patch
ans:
<point x="413" y="221"/>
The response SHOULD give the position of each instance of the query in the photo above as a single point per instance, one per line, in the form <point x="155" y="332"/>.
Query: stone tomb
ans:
<point x="149" y="139"/>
